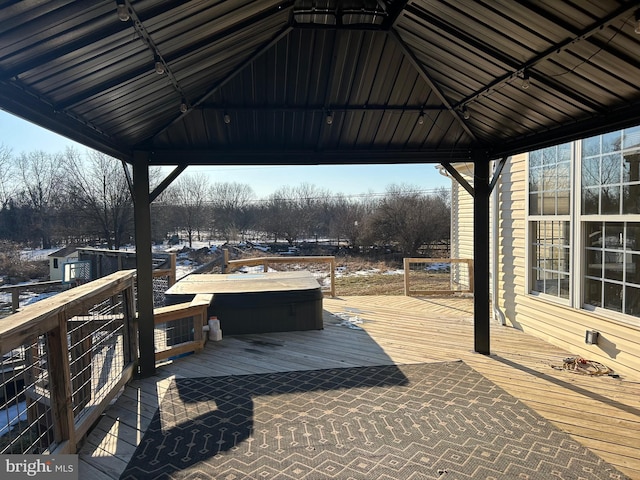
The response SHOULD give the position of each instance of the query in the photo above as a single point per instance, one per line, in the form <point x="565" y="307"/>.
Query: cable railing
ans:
<point x="63" y="360"/>
<point x="437" y="276"/>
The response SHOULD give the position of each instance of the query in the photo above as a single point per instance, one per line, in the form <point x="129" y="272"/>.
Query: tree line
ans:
<point x="48" y="200"/>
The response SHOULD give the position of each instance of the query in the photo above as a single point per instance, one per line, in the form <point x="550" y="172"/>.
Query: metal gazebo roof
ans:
<point x="320" y="81"/>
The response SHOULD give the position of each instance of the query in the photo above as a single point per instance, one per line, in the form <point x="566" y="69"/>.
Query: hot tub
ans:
<point x="257" y="302"/>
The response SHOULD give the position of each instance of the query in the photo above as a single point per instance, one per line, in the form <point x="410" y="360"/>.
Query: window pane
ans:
<point x="633" y="237"/>
<point x="611" y="169"/>
<point x="551" y="285"/>
<point x="590" y="203"/>
<point x="564" y="152"/>
<point x="631" y="137"/>
<point x="631" y="167"/>
<point x="548" y="203"/>
<point x="613" y="266"/>
<point x="563" y="207"/>
<point x="611" y="142"/>
<point x="535" y="204"/>
<point x="614" y="235"/>
<point x="594" y="234"/>
<point x="591" y="146"/>
<point x="550" y="272"/>
<point x="535" y="159"/>
<point x="549" y="182"/>
<point x="593" y="292"/>
<point x="613" y="297"/>
<point x="594" y="263"/>
<point x="610" y="200"/>
<point x="631" y="199"/>
<point x="591" y="172"/>
<point x="564" y="286"/>
<point x="535" y="180"/>
<point x="632" y="301"/>
<point x="633" y="268"/>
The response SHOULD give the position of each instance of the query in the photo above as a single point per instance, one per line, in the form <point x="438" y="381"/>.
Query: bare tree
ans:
<point x="98" y="191"/>
<point x="280" y="215"/>
<point x="40" y="177"/>
<point x="7" y="183"/>
<point x="350" y="219"/>
<point x="232" y="210"/>
<point x="189" y="194"/>
<point x="411" y="219"/>
<point x="312" y="204"/>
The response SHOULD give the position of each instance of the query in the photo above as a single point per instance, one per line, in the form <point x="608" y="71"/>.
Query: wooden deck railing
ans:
<point x="34" y="286"/>
<point x="181" y="327"/>
<point x="63" y="360"/>
<point x="427" y="280"/>
<point x="266" y="261"/>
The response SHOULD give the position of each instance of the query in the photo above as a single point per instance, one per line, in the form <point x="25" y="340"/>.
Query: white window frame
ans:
<point x="530" y="235"/>
<point x="578" y="229"/>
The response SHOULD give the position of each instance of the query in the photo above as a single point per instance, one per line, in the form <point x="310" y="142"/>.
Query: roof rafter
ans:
<point x="432" y="84"/>
<point x="283" y="33"/>
<point x="552" y="51"/>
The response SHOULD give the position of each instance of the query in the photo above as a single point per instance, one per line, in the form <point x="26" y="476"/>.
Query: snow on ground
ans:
<point x="29" y="298"/>
<point x="11" y="416"/>
<point x="35" y="255"/>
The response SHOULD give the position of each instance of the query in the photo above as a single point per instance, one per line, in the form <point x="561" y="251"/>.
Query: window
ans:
<point x="55" y="263"/>
<point x="612" y="273"/>
<point x="551" y="251"/>
<point x="610" y="215"/>
<point x="601" y="206"/>
<point x="549" y="220"/>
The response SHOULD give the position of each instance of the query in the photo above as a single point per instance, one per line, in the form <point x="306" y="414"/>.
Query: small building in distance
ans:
<point x="58" y="258"/>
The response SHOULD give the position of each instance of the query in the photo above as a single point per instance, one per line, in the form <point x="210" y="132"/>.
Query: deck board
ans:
<point x="602" y="413"/>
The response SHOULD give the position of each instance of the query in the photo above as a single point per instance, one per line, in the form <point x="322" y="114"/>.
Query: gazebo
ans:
<point x="320" y="82"/>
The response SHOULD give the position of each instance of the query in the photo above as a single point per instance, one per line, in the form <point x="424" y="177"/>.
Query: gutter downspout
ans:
<point x="495" y="244"/>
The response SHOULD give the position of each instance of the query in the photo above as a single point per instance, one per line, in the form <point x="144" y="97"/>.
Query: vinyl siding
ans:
<point x="461" y="225"/>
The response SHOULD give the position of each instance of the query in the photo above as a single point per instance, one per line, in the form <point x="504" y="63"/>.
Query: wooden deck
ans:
<point x="602" y="413"/>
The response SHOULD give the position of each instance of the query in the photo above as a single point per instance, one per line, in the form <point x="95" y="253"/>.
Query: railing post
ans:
<point x="15" y="300"/>
<point x="405" y="262"/>
<point x="130" y="331"/>
<point x="60" y="384"/>
<point x="172" y="267"/>
<point x="225" y="260"/>
<point x="471" y="274"/>
<point x="332" y="276"/>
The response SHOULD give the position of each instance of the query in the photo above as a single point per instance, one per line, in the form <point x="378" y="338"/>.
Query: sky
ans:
<point x="21" y="136"/>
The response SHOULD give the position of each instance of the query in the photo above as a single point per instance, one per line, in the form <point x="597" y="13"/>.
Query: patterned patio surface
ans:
<point x="422" y="421"/>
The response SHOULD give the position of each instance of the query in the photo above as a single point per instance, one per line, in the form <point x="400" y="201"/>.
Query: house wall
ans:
<point x="461" y="224"/>
<point x="619" y="343"/>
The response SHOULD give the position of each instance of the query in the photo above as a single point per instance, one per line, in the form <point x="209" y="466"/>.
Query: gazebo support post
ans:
<point x="144" y="265"/>
<point x="481" y="282"/>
